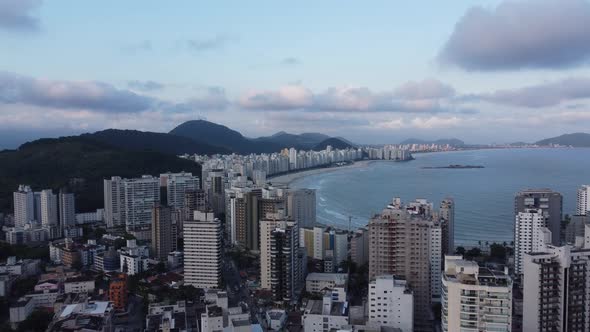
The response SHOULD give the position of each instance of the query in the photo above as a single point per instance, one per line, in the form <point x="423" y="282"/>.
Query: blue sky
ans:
<point x="372" y="71"/>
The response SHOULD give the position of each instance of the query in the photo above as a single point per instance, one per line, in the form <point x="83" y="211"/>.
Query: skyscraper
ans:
<point x="140" y="196"/>
<point x="550" y="202"/>
<point x="475" y="298"/>
<point x="67" y="210"/>
<point x="49" y="215"/>
<point x="301" y="206"/>
<point x="280" y="266"/>
<point x="556" y="292"/>
<point x="114" y="202"/>
<point x="406" y="241"/>
<point x="194" y="200"/>
<point x="202" y="250"/>
<point x="530" y="235"/>
<point x="177" y="184"/>
<point x="163" y="232"/>
<point x="24" y="206"/>
<point x="583" y="200"/>
<point x="447" y="214"/>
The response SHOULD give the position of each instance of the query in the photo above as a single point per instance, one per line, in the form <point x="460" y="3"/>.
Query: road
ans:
<point x="237" y="292"/>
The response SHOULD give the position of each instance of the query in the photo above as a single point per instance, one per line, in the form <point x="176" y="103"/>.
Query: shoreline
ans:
<point x="287" y="179"/>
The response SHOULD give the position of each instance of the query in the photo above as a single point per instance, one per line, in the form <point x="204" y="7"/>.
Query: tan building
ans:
<point x="406" y="241"/>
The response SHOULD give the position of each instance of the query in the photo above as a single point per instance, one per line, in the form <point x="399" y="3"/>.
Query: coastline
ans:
<point x="287" y="179"/>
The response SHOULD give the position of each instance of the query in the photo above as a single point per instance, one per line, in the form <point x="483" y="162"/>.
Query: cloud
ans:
<point x="214" y="99"/>
<point x="413" y="97"/>
<point x="291" y="61"/>
<point x="426" y="89"/>
<point x="217" y="42"/>
<point x="96" y="96"/>
<point x="17" y="15"/>
<point x="147" y="86"/>
<point x="433" y="122"/>
<point x="521" y="34"/>
<point x="541" y="95"/>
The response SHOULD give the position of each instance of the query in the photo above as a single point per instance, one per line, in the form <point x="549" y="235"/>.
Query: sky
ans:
<point x="371" y="71"/>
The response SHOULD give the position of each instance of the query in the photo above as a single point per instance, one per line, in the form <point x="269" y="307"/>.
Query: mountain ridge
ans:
<point x="578" y="140"/>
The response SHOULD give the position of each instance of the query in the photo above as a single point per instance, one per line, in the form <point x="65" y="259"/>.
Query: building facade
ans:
<point x="475" y="298"/>
<point x="548" y="201"/>
<point x="202" y="250"/>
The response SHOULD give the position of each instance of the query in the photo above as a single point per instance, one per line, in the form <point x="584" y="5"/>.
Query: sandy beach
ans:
<point x="286" y="179"/>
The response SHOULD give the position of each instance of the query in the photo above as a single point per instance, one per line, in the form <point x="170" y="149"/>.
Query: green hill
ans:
<point x="80" y="164"/>
<point x="151" y="141"/>
<point x="578" y="140"/>
<point x="336" y="143"/>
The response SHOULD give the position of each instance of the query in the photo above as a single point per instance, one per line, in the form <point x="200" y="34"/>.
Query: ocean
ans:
<point x="484" y="197"/>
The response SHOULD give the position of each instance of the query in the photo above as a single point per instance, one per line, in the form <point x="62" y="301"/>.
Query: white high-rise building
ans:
<point x="301" y="206"/>
<point x="141" y="194"/>
<point x="202" y="251"/>
<point x="556" y="291"/>
<point x="475" y="298"/>
<point x="583" y="200"/>
<point x="391" y="303"/>
<point x="177" y="184"/>
<point x="530" y="235"/>
<point x="48" y="208"/>
<point x="24" y="206"/>
<point x="114" y="202"/>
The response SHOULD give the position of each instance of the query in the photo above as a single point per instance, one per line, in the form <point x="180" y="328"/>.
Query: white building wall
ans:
<point x="390" y="304"/>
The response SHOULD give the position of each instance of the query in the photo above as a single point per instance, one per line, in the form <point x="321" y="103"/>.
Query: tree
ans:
<point x="498" y="252"/>
<point x="472" y="253"/>
<point x="460" y="251"/>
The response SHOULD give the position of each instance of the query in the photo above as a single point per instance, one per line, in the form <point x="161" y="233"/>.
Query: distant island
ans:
<point x="453" y="166"/>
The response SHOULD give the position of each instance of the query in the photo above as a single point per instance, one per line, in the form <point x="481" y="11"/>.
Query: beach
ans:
<point x="286" y="179"/>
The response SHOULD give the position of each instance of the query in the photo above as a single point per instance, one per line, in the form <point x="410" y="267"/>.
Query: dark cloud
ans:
<point x="18" y="14"/>
<point x="521" y="34"/>
<point x="217" y="42"/>
<point x="145" y="85"/>
<point x="541" y="95"/>
<point x="291" y="61"/>
<point x="407" y="99"/>
<point x="96" y="96"/>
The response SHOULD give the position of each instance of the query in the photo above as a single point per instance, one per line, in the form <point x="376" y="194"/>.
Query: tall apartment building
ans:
<point x="301" y="206"/>
<point x="214" y="182"/>
<point x="280" y="265"/>
<point x="49" y="212"/>
<point x="129" y="203"/>
<point x="475" y="298"/>
<point x="114" y="202"/>
<point x="67" y="210"/>
<point x="391" y="303"/>
<point x="24" y="206"/>
<point x="583" y="200"/>
<point x="359" y="247"/>
<point x="140" y="196"/>
<point x="194" y="200"/>
<point x="530" y="235"/>
<point x="202" y="250"/>
<point x="163" y="232"/>
<point x="576" y="228"/>
<point x="312" y="239"/>
<point x="556" y="292"/>
<point x="177" y="184"/>
<point x="550" y="202"/>
<point x="447" y="215"/>
<point x="406" y="241"/>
